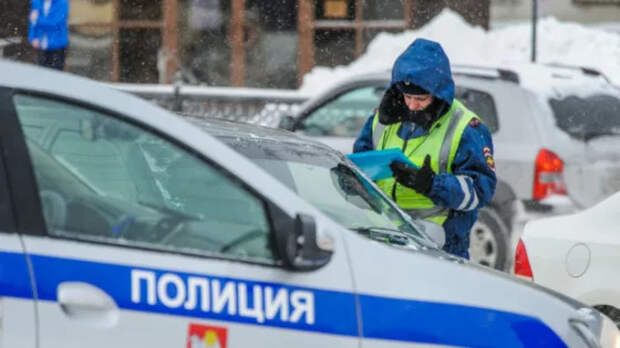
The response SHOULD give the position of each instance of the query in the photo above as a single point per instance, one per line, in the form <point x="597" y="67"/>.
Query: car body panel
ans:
<point x="56" y="261"/>
<point x="553" y="247"/>
<point x="18" y="322"/>
<point x="404" y="272"/>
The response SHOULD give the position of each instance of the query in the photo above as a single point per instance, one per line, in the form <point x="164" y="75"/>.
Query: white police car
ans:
<point x="92" y="254"/>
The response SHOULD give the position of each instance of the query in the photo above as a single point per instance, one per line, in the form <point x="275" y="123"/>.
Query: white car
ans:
<point x="124" y="225"/>
<point x="578" y="255"/>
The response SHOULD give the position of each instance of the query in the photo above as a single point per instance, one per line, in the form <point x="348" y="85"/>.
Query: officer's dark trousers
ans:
<point x="54" y="59"/>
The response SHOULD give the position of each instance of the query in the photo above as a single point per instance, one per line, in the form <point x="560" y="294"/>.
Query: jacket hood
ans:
<point x="425" y="64"/>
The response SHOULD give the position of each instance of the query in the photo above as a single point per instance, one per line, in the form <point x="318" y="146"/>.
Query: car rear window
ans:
<point x="587" y="117"/>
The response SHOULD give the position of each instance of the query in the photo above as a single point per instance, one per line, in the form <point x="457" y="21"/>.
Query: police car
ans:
<point x="95" y="252"/>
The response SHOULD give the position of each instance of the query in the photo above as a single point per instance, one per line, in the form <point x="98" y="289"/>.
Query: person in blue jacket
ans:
<point x="453" y="175"/>
<point x="48" y="31"/>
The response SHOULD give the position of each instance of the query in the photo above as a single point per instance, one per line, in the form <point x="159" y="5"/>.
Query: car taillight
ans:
<point x="548" y="177"/>
<point x="522" y="262"/>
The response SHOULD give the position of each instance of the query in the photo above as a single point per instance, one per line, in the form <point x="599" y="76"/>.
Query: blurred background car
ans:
<point x="555" y="131"/>
<point x="577" y="255"/>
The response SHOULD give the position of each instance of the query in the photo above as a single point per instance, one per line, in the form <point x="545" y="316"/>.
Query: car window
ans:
<point x="345" y="115"/>
<point x="587" y="117"/>
<point x="104" y="179"/>
<point x="481" y="103"/>
<point x="339" y="193"/>
<point x="327" y="182"/>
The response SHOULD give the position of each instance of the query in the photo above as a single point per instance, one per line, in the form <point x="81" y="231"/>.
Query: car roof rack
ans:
<point x="486" y="72"/>
<point x="583" y="69"/>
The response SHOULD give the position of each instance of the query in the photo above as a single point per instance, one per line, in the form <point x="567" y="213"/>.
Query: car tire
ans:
<point x="488" y="240"/>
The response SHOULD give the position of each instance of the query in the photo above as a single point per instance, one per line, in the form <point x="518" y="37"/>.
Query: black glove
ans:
<point x="392" y="108"/>
<point x="420" y="180"/>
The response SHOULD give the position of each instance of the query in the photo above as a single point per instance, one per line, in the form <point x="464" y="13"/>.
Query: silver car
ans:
<point x="556" y="131"/>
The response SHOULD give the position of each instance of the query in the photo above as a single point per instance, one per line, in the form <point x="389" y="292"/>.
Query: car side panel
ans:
<point x="17" y="300"/>
<point x="431" y="297"/>
<point x="18" y="310"/>
<point x="135" y="320"/>
<point x="577" y="255"/>
<point x="600" y="285"/>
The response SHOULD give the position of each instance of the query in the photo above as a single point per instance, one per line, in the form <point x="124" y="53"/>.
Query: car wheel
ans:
<point x="488" y="240"/>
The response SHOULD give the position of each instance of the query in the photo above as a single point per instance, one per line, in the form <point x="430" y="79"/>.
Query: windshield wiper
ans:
<point x="378" y="233"/>
<point x="387" y="235"/>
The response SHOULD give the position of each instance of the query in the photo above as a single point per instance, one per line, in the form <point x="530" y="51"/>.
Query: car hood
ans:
<point x="502" y="277"/>
<point x="426" y="278"/>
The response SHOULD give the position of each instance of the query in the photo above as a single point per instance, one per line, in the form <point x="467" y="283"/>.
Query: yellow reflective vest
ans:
<point x="441" y="143"/>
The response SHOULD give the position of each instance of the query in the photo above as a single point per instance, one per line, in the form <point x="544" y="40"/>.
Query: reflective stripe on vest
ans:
<point x="377" y="131"/>
<point x="444" y="155"/>
<point x="415" y="204"/>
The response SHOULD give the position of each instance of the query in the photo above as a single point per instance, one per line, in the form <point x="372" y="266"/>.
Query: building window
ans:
<point x="123" y="40"/>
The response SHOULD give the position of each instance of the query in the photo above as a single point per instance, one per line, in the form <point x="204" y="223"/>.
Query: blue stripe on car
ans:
<point x="452" y="324"/>
<point x="335" y="311"/>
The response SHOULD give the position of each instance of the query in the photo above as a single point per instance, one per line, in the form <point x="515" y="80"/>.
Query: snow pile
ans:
<point x="558" y="42"/>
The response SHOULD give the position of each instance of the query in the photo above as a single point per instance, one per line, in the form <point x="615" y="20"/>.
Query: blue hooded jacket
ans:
<point x="425" y="64"/>
<point x="49" y="28"/>
<point x="472" y="182"/>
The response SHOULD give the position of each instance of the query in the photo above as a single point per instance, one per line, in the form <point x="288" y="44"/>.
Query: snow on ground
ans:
<point x="558" y="42"/>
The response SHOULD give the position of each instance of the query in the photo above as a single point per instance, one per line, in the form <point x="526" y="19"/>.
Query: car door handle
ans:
<point x="87" y="303"/>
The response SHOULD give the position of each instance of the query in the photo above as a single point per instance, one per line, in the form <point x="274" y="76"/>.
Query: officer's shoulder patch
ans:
<point x="488" y="157"/>
<point x="474" y="122"/>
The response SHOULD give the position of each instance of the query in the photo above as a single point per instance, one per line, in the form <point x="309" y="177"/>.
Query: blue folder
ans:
<point x="376" y="164"/>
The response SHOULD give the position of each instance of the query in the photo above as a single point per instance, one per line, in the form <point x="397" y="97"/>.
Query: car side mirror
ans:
<point x="287" y="122"/>
<point x="302" y="246"/>
<point x="433" y="231"/>
<point x="298" y="244"/>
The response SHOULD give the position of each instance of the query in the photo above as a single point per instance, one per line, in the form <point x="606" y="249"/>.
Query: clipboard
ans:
<point x="376" y="164"/>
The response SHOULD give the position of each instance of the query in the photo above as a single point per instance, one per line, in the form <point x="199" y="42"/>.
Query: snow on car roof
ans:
<point x="254" y="133"/>
<point x="269" y="143"/>
<point x="559" y="79"/>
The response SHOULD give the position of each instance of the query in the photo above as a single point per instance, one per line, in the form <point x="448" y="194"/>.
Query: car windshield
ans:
<point x="327" y="182"/>
<point x="587" y="117"/>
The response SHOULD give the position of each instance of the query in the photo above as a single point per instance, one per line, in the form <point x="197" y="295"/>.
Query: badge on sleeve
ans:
<point x="488" y="157"/>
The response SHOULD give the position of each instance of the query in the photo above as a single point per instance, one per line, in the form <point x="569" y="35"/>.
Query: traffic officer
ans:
<point x="454" y="174"/>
